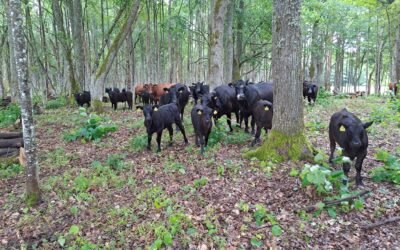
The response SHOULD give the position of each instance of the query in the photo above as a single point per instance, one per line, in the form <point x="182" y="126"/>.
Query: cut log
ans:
<point x="383" y="222"/>
<point x="10" y="135"/>
<point x="7" y="152"/>
<point x="334" y="202"/>
<point x="11" y="143"/>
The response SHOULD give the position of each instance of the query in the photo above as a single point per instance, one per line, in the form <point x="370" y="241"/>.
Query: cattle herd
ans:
<point x="163" y="105"/>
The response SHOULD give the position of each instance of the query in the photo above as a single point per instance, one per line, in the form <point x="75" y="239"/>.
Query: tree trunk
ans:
<point x="397" y="52"/>
<point x="21" y="63"/>
<point x="98" y="80"/>
<point x="12" y="77"/>
<point x="170" y="44"/>
<point x="216" y="69"/>
<point x="239" y="43"/>
<point x="65" y="44"/>
<point x="339" y="65"/>
<point x="78" y="38"/>
<point x="228" y="34"/>
<point x="286" y="140"/>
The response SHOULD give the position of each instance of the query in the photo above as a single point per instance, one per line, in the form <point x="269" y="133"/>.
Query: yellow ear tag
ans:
<point x="215" y="98"/>
<point x="215" y="112"/>
<point x="137" y="110"/>
<point x="342" y="128"/>
<point x="266" y="108"/>
<point x="155" y="109"/>
<point x="180" y="91"/>
<point x="199" y="112"/>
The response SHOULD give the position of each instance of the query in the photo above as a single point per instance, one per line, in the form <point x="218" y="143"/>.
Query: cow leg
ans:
<point x="332" y="145"/>
<point x="171" y="134"/>
<point x="159" y="135"/>
<point x="228" y="120"/>
<point x="358" y="166"/>
<point x="309" y="99"/>
<point x="149" y="141"/>
<point x="196" y="140"/>
<point x="257" y="136"/>
<point x="182" y="129"/>
<point x="253" y="122"/>
<point x="237" y="117"/>
<point x="246" y="123"/>
<point x="201" y="144"/>
<point x="207" y="135"/>
<point x="240" y="119"/>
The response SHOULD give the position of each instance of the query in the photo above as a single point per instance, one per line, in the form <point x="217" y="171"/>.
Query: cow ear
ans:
<point x="166" y="90"/>
<point x="247" y="82"/>
<point x="230" y="84"/>
<point x="181" y="89"/>
<point x="194" y="84"/>
<point x="367" y="124"/>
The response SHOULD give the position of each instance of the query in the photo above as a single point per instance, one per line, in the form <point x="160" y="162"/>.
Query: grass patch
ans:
<point x="9" y="115"/>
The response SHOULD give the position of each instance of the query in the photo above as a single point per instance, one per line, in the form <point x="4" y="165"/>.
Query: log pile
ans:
<point x="10" y="143"/>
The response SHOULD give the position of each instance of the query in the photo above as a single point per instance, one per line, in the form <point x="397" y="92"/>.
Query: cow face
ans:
<point x="148" y="113"/>
<point x="205" y="112"/>
<point x="355" y="134"/>
<point x="240" y="88"/>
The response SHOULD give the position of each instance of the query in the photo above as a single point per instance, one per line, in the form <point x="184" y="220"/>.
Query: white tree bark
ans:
<point x="21" y="65"/>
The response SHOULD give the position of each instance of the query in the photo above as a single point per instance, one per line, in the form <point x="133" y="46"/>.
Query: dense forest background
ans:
<point x="75" y="45"/>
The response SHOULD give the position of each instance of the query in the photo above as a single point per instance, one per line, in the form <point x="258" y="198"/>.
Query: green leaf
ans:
<point x="61" y="240"/>
<point x="320" y="205"/>
<point x="319" y="158"/>
<point x="167" y="238"/>
<point x="276" y="230"/>
<point x="332" y="212"/>
<point x="293" y="172"/>
<point x="359" y="204"/>
<point x="256" y="242"/>
<point x="74" y="230"/>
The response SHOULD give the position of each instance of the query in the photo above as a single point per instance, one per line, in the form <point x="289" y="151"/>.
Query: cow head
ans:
<point x="205" y="112"/>
<point x="148" y="111"/>
<point x="240" y="87"/>
<point x="354" y="132"/>
<point x="108" y="90"/>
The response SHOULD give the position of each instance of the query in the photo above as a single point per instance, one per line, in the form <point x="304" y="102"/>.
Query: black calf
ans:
<point x="156" y="119"/>
<point x="201" y="119"/>
<point x="349" y="132"/>
<point x="125" y="96"/>
<point x="82" y="98"/>
<point x="262" y="113"/>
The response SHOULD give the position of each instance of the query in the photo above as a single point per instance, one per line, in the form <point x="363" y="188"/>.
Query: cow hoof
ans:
<point x="246" y="131"/>
<point x="238" y="126"/>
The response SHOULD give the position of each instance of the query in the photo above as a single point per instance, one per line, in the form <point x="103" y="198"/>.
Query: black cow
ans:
<point x="197" y="89"/>
<point x="310" y="91"/>
<point x="156" y="119"/>
<point x="124" y="96"/>
<point x="249" y="94"/>
<point x="201" y="119"/>
<point x="178" y="94"/>
<point x="262" y="114"/>
<point x="82" y="98"/>
<point x="245" y="111"/>
<point x="146" y="97"/>
<point x="349" y="132"/>
<point x="224" y="101"/>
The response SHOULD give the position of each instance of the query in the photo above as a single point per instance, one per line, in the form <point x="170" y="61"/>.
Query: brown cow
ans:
<point x="157" y="90"/>
<point x="140" y="88"/>
<point x="393" y="87"/>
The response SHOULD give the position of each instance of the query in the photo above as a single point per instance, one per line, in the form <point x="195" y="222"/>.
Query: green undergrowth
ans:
<point x="93" y="128"/>
<point x="9" y="115"/>
<point x="390" y="171"/>
<point x="57" y="103"/>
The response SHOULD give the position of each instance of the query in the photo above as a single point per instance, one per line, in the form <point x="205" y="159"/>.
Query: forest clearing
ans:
<point x="116" y="194"/>
<point x="190" y="124"/>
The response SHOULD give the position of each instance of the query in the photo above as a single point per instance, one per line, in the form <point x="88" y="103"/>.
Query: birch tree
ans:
<point x="33" y="195"/>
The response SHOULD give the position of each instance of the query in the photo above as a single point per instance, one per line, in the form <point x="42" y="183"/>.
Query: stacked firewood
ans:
<point x="10" y="143"/>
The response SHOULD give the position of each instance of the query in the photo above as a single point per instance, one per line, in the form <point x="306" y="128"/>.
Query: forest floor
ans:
<point x="113" y="193"/>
